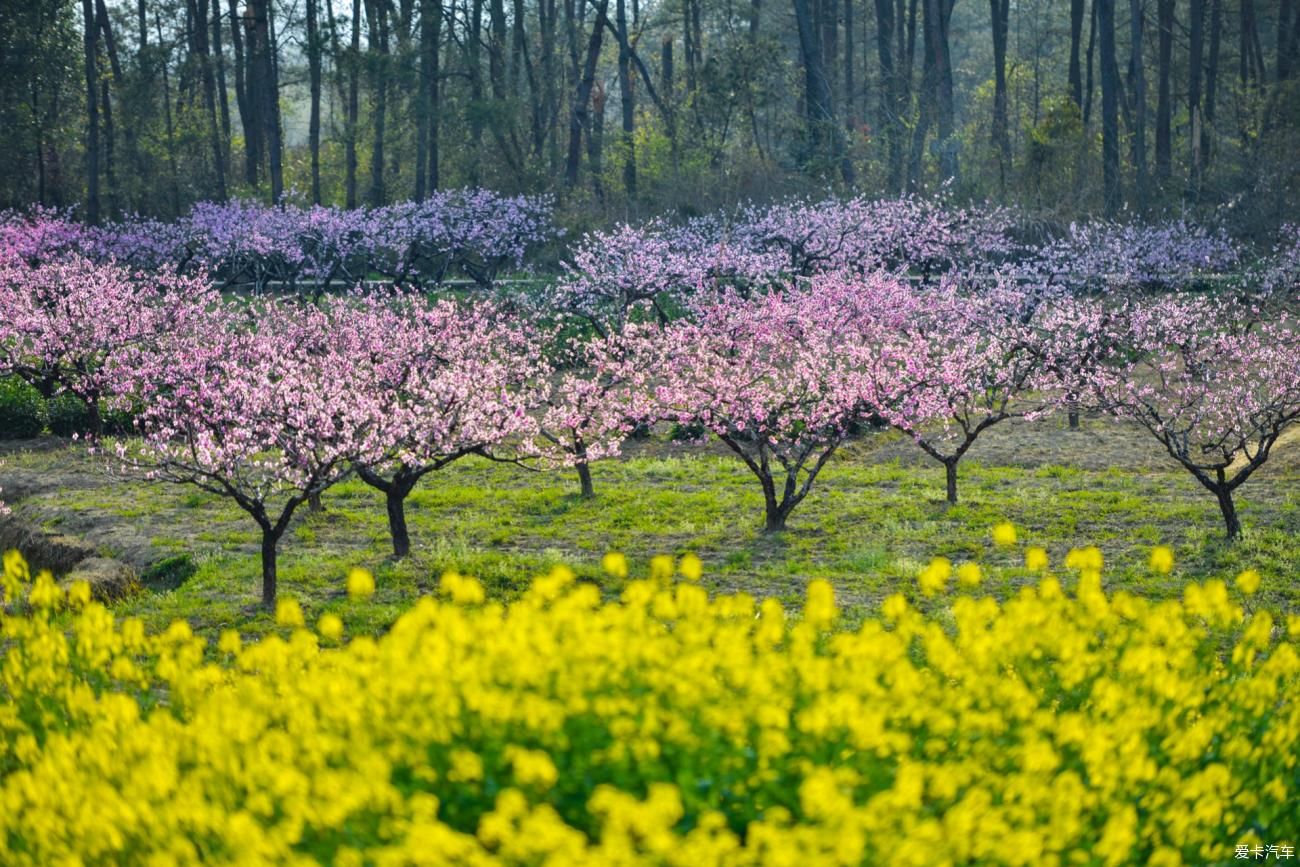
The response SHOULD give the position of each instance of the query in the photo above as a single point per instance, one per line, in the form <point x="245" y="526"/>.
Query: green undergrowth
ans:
<point x="869" y="526"/>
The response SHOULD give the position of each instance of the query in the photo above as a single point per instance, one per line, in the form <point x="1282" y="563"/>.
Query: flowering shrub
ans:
<point x="470" y="232"/>
<point x="1113" y="256"/>
<point x="664" y="727"/>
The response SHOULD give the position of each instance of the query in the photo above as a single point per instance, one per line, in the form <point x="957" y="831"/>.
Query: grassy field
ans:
<point x="872" y="521"/>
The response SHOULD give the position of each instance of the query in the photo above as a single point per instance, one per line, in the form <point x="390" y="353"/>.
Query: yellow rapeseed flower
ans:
<point x="1248" y="582"/>
<point x="1004" y="534"/>
<point x="289" y="613"/>
<point x="1036" y="559"/>
<point x="934" y="577"/>
<point x="615" y="564"/>
<point x="1162" y="559"/>
<point x="361" y="583"/>
<point x="969" y="575"/>
<point x="690" y="567"/>
<point x="330" y="626"/>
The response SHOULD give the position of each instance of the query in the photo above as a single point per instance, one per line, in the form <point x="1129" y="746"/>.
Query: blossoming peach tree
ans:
<point x="444" y="381"/>
<point x="260" y="406"/>
<point x="64" y="323"/>
<point x="1212" y="383"/>
<point x="776" y="378"/>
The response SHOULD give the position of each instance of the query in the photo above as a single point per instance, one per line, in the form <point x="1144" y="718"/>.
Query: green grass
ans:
<point x="871" y="522"/>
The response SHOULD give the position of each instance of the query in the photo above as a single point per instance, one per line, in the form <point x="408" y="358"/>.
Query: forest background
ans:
<point x="623" y="109"/>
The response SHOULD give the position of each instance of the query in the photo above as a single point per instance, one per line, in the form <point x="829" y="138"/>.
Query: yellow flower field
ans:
<point x="1064" y="726"/>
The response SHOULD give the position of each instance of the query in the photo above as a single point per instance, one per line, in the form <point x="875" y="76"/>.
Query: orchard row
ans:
<point x="271" y="402"/>
<point x="475" y="234"/>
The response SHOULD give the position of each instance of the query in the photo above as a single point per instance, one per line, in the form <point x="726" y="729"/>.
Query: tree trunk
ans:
<point x="774" y="511"/>
<point x="269" y="541"/>
<point x="209" y="80"/>
<point x="175" y="183"/>
<point x="950" y="475"/>
<point x="352" y="117"/>
<point x="223" y="98"/>
<point x="92" y="113"/>
<point x="395" y="500"/>
<point x="243" y="99"/>
<point x="1196" y="38"/>
<point x="423" y="98"/>
<point x="1231" y="523"/>
<point x="850" y="85"/>
<point x="1211" y="78"/>
<point x="889" y="88"/>
<point x="475" y="89"/>
<point x="1164" y="101"/>
<point x="377" y="13"/>
<point x="314" y="85"/>
<point x="925" y="109"/>
<point x="267" y="91"/>
<point x="580" y="119"/>
<point x="626" y="100"/>
<point x="584" y="479"/>
<point x="1000" y="14"/>
<point x="1075" y="78"/>
<point x="1109" y="107"/>
<point x="1139" y="91"/>
<point x="942" y="10"/>
<point x="1089" y="82"/>
<point x="822" y="129"/>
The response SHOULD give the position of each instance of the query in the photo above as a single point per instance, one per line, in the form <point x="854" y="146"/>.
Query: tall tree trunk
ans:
<point x="926" y="96"/>
<point x="1250" y="51"/>
<point x="314" y="87"/>
<point x="475" y="90"/>
<point x="1164" y="100"/>
<point x="264" y="89"/>
<point x="351" y="121"/>
<point x="822" y="129"/>
<point x="688" y="47"/>
<point x="1109" y="107"/>
<point x="1212" y="77"/>
<point x="1139" y="91"/>
<point x="92" y="111"/>
<point x="1075" y="78"/>
<point x="626" y="101"/>
<point x="938" y="14"/>
<point x="1195" y="69"/>
<point x="377" y="15"/>
<point x="248" y="115"/>
<point x="223" y="98"/>
<point x="850" y="85"/>
<point x="579" y="120"/>
<point x="427" y="106"/>
<point x="174" y="172"/>
<point x="209" y="81"/>
<point x="890" y="121"/>
<point x="1285" y="47"/>
<point x="1088" y="86"/>
<point x="1000" y="14"/>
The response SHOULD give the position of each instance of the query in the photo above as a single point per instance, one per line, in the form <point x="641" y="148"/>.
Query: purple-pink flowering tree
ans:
<point x="861" y="235"/>
<point x="768" y="376"/>
<point x="599" y="393"/>
<point x="261" y="408"/>
<point x="967" y="362"/>
<point x="444" y="381"/>
<point x="1107" y="256"/>
<point x="65" y="322"/>
<point x="1213" y="386"/>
